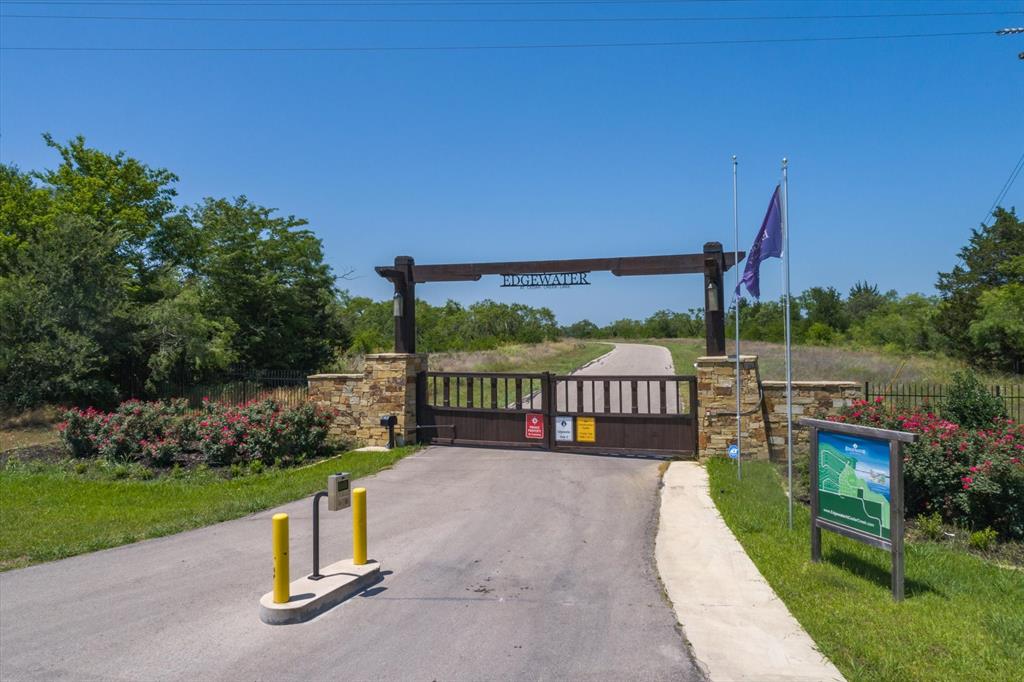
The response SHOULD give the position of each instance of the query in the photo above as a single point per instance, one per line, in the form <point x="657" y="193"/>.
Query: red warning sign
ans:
<point x="535" y="426"/>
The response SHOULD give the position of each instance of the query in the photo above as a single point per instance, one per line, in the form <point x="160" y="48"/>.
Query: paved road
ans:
<point x="500" y="565"/>
<point x="628" y="359"/>
<point x="632" y="358"/>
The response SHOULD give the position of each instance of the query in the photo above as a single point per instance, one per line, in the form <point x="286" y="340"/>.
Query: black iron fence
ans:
<point x="288" y="387"/>
<point x="917" y="394"/>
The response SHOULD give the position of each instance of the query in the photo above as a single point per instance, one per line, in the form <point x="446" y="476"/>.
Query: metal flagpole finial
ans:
<point x="785" y="161"/>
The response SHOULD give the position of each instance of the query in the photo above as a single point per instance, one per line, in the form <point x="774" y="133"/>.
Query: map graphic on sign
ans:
<point x="853" y="483"/>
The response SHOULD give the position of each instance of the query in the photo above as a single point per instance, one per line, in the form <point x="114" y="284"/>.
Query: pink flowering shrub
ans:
<point x="134" y="432"/>
<point x="972" y="477"/>
<point x="162" y="433"/>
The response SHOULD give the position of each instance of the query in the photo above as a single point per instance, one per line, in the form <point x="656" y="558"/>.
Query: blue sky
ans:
<point x="897" y="147"/>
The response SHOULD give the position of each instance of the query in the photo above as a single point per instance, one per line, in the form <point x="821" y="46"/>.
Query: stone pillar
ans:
<point x="716" y="412"/>
<point x="391" y="389"/>
<point x="387" y="386"/>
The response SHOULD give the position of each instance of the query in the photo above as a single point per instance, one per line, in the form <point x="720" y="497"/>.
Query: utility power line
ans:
<point x="1006" y="187"/>
<point x="364" y="3"/>
<point x="510" y="46"/>
<point x="505" y="20"/>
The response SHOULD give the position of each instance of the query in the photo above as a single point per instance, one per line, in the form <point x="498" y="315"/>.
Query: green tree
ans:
<point x="24" y="208"/>
<point x="764" y="320"/>
<point x="907" y="324"/>
<point x="998" y="329"/>
<point x="864" y="299"/>
<point x="183" y="342"/>
<point x="266" y="275"/>
<point x="989" y="261"/>
<point x="625" y="328"/>
<point x="666" y="324"/>
<point x="66" y="317"/>
<point x="825" y="306"/>
<point x="584" y="329"/>
<point x="74" y="255"/>
<point x="105" y="285"/>
<point x="122" y="196"/>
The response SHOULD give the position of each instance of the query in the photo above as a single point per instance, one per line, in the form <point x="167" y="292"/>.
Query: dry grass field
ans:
<point x="831" y="363"/>
<point x="552" y="356"/>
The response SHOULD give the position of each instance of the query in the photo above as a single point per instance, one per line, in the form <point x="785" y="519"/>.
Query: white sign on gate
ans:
<point x="563" y="428"/>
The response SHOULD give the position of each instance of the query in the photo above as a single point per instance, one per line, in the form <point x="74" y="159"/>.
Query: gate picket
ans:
<point x="659" y="426"/>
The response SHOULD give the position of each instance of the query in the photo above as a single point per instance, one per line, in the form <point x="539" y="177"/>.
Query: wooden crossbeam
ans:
<point x="620" y="267"/>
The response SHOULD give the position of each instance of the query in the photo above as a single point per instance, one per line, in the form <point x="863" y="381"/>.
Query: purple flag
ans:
<point x="767" y="244"/>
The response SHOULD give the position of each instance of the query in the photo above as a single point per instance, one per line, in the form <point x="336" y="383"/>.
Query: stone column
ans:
<point x="390" y="388"/>
<point x="386" y="387"/>
<point x="716" y="412"/>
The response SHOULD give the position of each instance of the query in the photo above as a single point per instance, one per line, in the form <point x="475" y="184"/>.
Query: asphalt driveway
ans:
<point x="499" y="565"/>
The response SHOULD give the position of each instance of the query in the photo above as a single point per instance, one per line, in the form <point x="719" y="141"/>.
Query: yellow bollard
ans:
<point x="359" y="526"/>
<point x="280" y="524"/>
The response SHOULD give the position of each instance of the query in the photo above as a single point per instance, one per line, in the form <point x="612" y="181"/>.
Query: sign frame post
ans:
<point x="894" y="545"/>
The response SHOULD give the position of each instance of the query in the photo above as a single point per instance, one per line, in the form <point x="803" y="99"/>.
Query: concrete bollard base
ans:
<point x="310" y="598"/>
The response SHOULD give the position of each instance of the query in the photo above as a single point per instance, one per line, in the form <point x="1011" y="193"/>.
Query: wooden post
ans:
<point x="547" y="405"/>
<point x="421" y="402"/>
<point x="896" y="520"/>
<point x="813" y="466"/>
<point x="405" y="288"/>
<point x="714" y="320"/>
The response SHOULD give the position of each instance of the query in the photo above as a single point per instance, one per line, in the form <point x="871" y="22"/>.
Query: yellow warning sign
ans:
<point x="586" y="432"/>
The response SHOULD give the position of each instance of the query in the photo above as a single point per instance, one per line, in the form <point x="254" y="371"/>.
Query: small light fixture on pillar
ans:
<point x="399" y="303"/>
<point x="712" y="306"/>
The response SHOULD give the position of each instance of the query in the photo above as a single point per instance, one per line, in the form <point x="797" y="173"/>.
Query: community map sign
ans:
<point x="854" y="483"/>
<point x="857" y="487"/>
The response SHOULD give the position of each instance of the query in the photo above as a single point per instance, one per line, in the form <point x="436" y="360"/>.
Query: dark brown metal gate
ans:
<point x="639" y="415"/>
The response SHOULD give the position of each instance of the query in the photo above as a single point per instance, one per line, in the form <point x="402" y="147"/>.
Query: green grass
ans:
<point x="963" y="617"/>
<point x="684" y="352"/>
<point x="559" y="357"/>
<point x="564" y="361"/>
<point x="48" y="511"/>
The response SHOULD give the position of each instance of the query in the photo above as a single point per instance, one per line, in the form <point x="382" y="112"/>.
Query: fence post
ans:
<point x="867" y="390"/>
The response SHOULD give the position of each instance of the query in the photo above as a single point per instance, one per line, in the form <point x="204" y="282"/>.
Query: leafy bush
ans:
<point x="163" y="434"/>
<point x="930" y="525"/>
<point x="971" y="477"/>
<point x="970" y="404"/>
<point x="983" y="539"/>
<point x="131" y="433"/>
<point x="820" y="334"/>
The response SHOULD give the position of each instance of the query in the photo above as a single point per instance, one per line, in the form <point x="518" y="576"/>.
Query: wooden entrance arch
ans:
<point x="713" y="262"/>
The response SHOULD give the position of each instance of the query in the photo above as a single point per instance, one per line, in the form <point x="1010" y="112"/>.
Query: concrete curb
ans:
<point x="310" y="598"/>
<point x="738" y="628"/>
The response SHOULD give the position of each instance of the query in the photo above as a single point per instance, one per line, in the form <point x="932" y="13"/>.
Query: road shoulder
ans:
<point x="737" y="627"/>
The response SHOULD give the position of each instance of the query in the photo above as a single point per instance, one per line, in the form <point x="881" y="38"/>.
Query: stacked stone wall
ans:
<point x="386" y="387"/>
<point x="810" y="399"/>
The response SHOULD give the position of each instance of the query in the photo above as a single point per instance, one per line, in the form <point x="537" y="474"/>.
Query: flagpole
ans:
<point x="789" y="341"/>
<point x="736" y="267"/>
